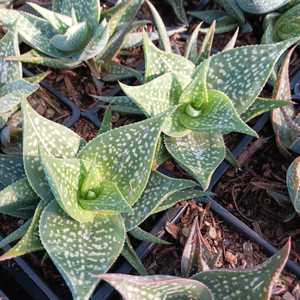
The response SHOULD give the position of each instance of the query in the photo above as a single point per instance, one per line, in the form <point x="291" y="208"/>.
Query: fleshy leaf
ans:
<point x="35" y="31"/>
<point x="255" y="283"/>
<point x="11" y="168"/>
<point x="178" y="9"/>
<point x="157" y="190"/>
<point x="86" y="10"/>
<point x="143" y="235"/>
<point x="282" y="119"/>
<point x="198" y="153"/>
<point x="56" y="139"/>
<point x="12" y="93"/>
<point x="262" y="105"/>
<point x="17" y="199"/>
<point x="207" y="43"/>
<point x="159" y="62"/>
<point x="80" y="250"/>
<point x="233" y="9"/>
<point x="217" y="116"/>
<point x="15" y="235"/>
<point x="293" y="183"/>
<point x="180" y="196"/>
<point x="125" y="155"/>
<point x="157" y="287"/>
<point x="9" y="46"/>
<point x="156" y="96"/>
<point x="108" y="199"/>
<point x="227" y="71"/>
<point x="30" y="242"/>
<point x="261" y="6"/>
<point x="131" y="256"/>
<point x="64" y="177"/>
<point x="191" y="50"/>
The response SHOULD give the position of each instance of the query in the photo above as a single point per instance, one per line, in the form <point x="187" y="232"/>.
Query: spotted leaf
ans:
<point x="217" y="116"/>
<point x="64" y="177"/>
<point x="35" y="31"/>
<point x="157" y="287"/>
<point x="125" y="155"/>
<point x="85" y="10"/>
<point x="56" y="139"/>
<point x="18" y="199"/>
<point x="80" y="250"/>
<point x="11" y="168"/>
<point x="241" y="73"/>
<point x="293" y="183"/>
<point x="198" y="153"/>
<point x="9" y="46"/>
<point x="261" y="6"/>
<point x="157" y="190"/>
<point x="262" y="105"/>
<point x="178" y="9"/>
<point x="159" y="62"/>
<point x="30" y="242"/>
<point x="12" y="93"/>
<point x="180" y="196"/>
<point x="255" y="283"/>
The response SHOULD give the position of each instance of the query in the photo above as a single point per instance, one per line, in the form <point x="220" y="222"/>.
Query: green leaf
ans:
<point x="125" y="155"/>
<point x="157" y="287"/>
<point x="156" y="96"/>
<point x="191" y="50"/>
<point x="109" y="198"/>
<point x="58" y="21"/>
<point x="196" y="92"/>
<point x="255" y="283"/>
<point x="217" y="116"/>
<point x="106" y="124"/>
<point x="17" y="199"/>
<point x="157" y="190"/>
<point x="159" y="62"/>
<point x="231" y="44"/>
<point x="30" y="242"/>
<point x="86" y="10"/>
<point x="207" y="43"/>
<point x="227" y="72"/>
<point x="208" y="16"/>
<point x="143" y="235"/>
<point x="15" y="235"/>
<point x="180" y="196"/>
<point x="56" y="139"/>
<point x="114" y="72"/>
<point x="12" y="93"/>
<point x="179" y="10"/>
<point x="11" y="168"/>
<point x="130" y="255"/>
<point x="262" y="6"/>
<point x="293" y="183"/>
<point x="97" y="44"/>
<point x="262" y="105"/>
<point x="161" y="28"/>
<point x="38" y="77"/>
<point x="198" y="153"/>
<point x="9" y="46"/>
<point x="233" y="9"/>
<point x="80" y="250"/>
<point x="64" y="177"/>
<point x="35" y="32"/>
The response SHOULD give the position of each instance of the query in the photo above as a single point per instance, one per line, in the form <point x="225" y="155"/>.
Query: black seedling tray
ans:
<point x="34" y="286"/>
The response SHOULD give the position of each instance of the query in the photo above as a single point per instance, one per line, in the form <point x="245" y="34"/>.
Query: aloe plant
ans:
<point x="234" y="12"/>
<point x="70" y="33"/>
<point x="212" y="96"/>
<point x="82" y="198"/>
<point x="254" y="283"/>
<point x="12" y="85"/>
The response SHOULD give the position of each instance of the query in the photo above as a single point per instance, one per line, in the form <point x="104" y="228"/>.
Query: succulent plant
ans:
<point x="70" y="33"/>
<point x="254" y="283"/>
<point x="12" y="85"/>
<point x="212" y="98"/>
<point x="82" y="198"/>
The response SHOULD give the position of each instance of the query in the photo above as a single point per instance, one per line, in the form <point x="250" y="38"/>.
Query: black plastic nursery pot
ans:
<point x="34" y="286"/>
